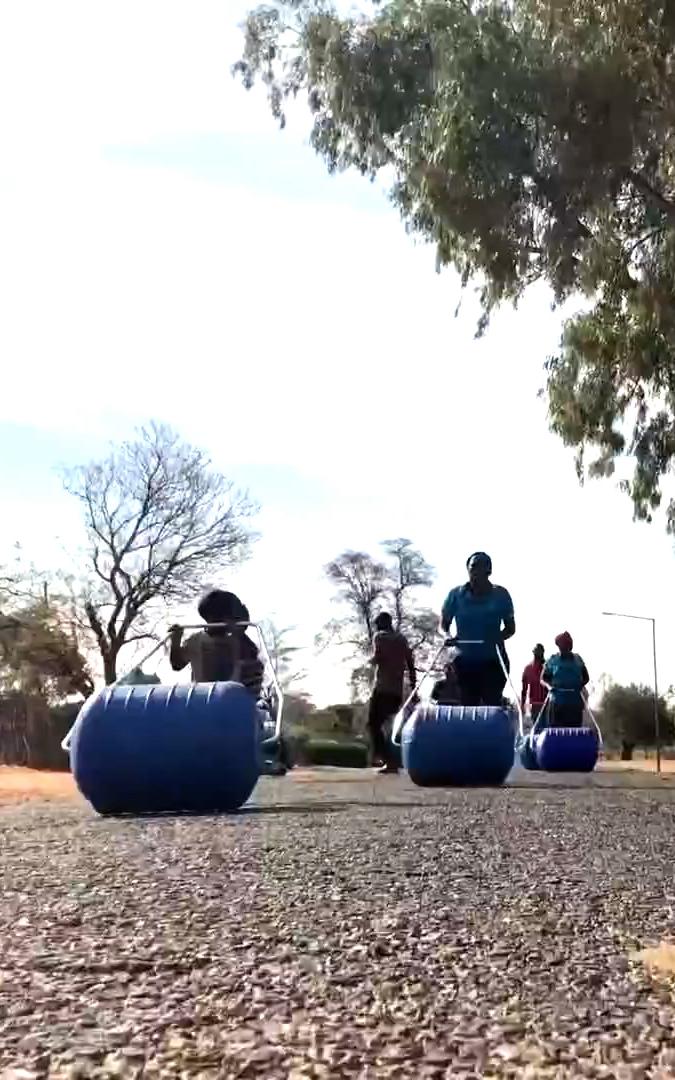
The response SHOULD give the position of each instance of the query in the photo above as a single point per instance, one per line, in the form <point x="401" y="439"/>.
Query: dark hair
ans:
<point x="383" y="621"/>
<point x="219" y="606"/>
<point x="480" y="556"/>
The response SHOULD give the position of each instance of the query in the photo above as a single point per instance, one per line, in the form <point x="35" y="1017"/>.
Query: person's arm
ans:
<point x="178" y="654"/>
<point x="546" y="677"/>
<point x="376" y="657"/>
<point x="252" y="667"/>
<point x="508" y="618"/>
<point x="585" y="677"/>
<point x="253" y="672"/>
<point x="448" y="611"/>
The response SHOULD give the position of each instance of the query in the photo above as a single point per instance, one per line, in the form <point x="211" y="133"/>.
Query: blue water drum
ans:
<point x="567" y="749"/>
<point x="152" y="749"/>
<point x="458" y="746"/>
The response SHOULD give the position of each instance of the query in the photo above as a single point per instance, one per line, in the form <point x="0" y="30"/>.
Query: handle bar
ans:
<point x="539" y="722"/>
<point x="401" y="714"/>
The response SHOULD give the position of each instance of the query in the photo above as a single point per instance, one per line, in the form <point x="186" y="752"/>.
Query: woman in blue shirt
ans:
<point x="484" y="620"/>
<point x="566" y="675"/>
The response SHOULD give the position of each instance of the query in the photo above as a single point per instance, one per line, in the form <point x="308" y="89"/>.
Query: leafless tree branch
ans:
<point x="160" y="521"/>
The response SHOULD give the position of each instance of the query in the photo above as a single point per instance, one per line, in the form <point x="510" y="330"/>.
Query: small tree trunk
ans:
<point x="627" y="749"/>
<point x="110" y="668"/>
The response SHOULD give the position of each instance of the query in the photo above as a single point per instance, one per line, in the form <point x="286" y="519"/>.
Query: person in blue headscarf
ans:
<point x="484" y="619"/>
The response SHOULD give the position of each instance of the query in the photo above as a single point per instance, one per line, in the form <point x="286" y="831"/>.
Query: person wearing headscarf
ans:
<point x="484" y="619"/>
<point x="532" y="685"/>
<point x="565" y="675"/>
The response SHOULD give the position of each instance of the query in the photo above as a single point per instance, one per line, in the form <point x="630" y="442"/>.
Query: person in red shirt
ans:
<point x="533" y="685"/>
<point x="392" y="657"/>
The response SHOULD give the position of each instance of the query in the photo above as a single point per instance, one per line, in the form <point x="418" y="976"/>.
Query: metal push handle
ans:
<point x="507" y="675"/>
<point x="534" y="730"/>
<point x="266" y="743"/>
<point x="400" y="717"/>
<point x="538" y="724"/>
<point x="401" y="714"/>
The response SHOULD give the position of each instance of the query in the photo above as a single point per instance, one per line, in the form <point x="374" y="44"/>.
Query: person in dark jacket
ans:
<point x="392" y="657"/>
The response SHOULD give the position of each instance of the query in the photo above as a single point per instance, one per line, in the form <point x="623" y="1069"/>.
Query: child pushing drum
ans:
<point x="223" y="653"/>
<point x="219" y="653"/>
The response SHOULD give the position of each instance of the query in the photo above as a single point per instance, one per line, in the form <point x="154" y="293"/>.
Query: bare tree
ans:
<point x="160" y="523"/>
<point x="409" y="570"/>
<point x="282" y="653"/>
<point x="361" y="585"/>
<point x="365" y="586"/>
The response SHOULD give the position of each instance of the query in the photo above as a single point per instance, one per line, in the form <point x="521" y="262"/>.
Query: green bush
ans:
<point x="338" y="753"/>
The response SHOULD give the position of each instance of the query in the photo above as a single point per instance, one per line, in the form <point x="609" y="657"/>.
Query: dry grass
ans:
<point x="659" y="959"/>
<point x="21" y="785"/>
<point x="641" y="765"/>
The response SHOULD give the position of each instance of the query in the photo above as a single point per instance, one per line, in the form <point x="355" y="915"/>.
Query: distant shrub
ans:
<point x="338" y="753"/>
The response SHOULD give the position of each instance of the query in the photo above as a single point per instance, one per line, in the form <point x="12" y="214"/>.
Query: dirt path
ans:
<point x="19" y="785"/>
<point x="342" y="926"/>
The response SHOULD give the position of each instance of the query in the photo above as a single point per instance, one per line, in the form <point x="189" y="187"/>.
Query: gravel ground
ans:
<point x="343" y="928"/>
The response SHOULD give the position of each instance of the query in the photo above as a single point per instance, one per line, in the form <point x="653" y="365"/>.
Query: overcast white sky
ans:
<point x="167" y="253"/>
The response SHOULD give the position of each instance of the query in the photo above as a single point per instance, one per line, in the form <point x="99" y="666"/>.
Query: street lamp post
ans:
<point x="657" y="726"/>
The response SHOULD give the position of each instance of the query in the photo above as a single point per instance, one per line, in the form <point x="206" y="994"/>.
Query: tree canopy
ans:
<point x="627" y="717"/>
<point x="40" y="647"/>
<point x="40" y="654"/>
<point x="527" y="140"/>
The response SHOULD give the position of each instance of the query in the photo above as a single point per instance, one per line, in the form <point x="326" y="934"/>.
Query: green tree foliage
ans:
<point x="364" y="586"/>
<point x="160" y="524"/>
<point x="529" y="140"/>
<point x="627" y="718"/>
<point x="40" y="655"/>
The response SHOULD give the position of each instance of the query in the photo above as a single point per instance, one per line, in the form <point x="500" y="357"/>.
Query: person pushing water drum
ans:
<point x="532" y="685"/>
<point x="446" y="743"/>
<point x="484" y="619"/>
<point x="565" y="675"/>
